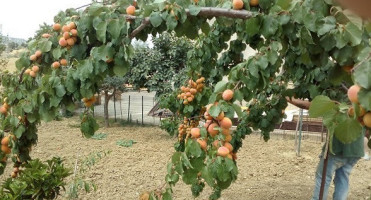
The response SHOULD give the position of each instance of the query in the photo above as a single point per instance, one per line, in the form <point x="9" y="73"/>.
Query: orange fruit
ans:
<point x="193" y="91"/>
<point x="348" y="69"/>
<point x="227" y="95"/>
<point x="254" y="3"/>
<point x="226" y="131"/>
<point x="27" y="71"/>
<point x="38" y="53"/>
<point x="56" y="65"/>
<point x="207" y="123"/>
<point x="5" y="141"/>
<point x="228" y="138"/>
<point x="32" y="74"/>
<point x="226" y="123"/>
<point x="229" y="146"/>
<point x="223" y="151"/>
<point x="211" y="130"/>
<point x="74" y="32"/>
<point x="195" y="132"/>
<point x="46" y="35"/>
<point x="217" y="143"/>
<point x="6" y="106"/>
<point x="63" y="62"/>
<point x="353" y="93"/>
<point x="130" y="10"/>
<point x="367" y="119"/>
<point x="237" y="4"/>
<point x="5" y="149"/>
<point x="56" y="27"/>
<point x="33" y="57"/>
<point x="66" y="28"/>
<point x="66" y="35"/>
<point x="35" y="68"/>
<point x="70" y="41"/>
<point x="220" y="116"/>
<point x="202" y="143"/>
<point x="62" y="42"/>
<point x="72" y="25"/>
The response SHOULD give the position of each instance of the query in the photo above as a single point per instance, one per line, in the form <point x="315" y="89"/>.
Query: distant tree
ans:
<point x="160" y="67"/>
<point x="110" y="86"/>
<point x="13" y="46"/>
<point x="3" y="61"/>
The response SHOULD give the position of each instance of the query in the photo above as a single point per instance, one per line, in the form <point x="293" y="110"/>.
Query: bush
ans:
<point x="37" y="181"/>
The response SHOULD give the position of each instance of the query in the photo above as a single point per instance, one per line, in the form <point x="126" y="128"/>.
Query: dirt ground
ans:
<point x="267" y="170"/>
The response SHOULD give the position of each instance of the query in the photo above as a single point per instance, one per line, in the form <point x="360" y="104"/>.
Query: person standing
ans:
<point x="341" y="161"/>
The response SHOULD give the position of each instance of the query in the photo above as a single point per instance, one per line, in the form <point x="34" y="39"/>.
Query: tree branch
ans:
<point x="205" y="12"/>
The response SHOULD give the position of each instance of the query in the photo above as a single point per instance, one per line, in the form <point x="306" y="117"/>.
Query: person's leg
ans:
<point x="341" y="179"/>
<point x="366" y="157"/>
<point x="331" y="167"/>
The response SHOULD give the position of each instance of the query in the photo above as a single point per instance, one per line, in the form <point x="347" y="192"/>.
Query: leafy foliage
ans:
<point x="160" y="67"/>
<point x="304" y="42"/>
<point x="37" y="181"/>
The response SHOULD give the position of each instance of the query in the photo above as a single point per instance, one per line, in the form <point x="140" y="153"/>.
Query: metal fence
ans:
<point x="131" y="106"/>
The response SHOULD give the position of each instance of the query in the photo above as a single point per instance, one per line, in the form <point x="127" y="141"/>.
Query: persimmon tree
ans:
<point x="311" y="44"/>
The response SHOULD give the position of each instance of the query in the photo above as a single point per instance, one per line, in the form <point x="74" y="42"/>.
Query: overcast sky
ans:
<point x="21" y="18"/>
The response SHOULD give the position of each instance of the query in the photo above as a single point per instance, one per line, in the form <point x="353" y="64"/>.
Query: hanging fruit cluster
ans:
<point x="185" y="128"/>
<point x="219" y="131"/>
<point x="188" y="93"/>
<point x="5" y="108"/>
<point x="5" y="147"/>
<point x="68" y="33"/>
<point x="363" y="116"/>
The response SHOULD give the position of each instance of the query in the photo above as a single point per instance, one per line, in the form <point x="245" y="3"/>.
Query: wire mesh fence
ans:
<point x="131" y="106"/>
<point x="135" y="106"/>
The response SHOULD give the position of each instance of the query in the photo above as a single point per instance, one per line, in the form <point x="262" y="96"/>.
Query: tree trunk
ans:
<point x="107" y="97"/>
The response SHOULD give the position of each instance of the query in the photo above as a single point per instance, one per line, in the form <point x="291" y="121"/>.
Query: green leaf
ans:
<point x="362" y="74"/>
<point x="121" y="67"/>
<point x="238" y="110"/>
<point x="193" y="148"/>
<point x="19" y="131"/>
<point x="252" y="26"/>
<point x="114" y="28"/>
<point x="220" y="86"/>
<point x="320" y="106"/>
<point x="60" y="91"/>
<point x="284" y="4"/>
<point x="364" y="97"/>
<point x="22" y="62"/>
<point x="155" y="19"/>
<point x="349" y="130"/>
<point x="353" y="34"/>
<point x="194" y="10"/>
<point x="101" y="29"/>
<point x="270" y="26"/>
<point x="215" y="110"/>
<point x="326" y="24"/>
<point x="45" y="45"/>
<point x="57" y="53"/>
